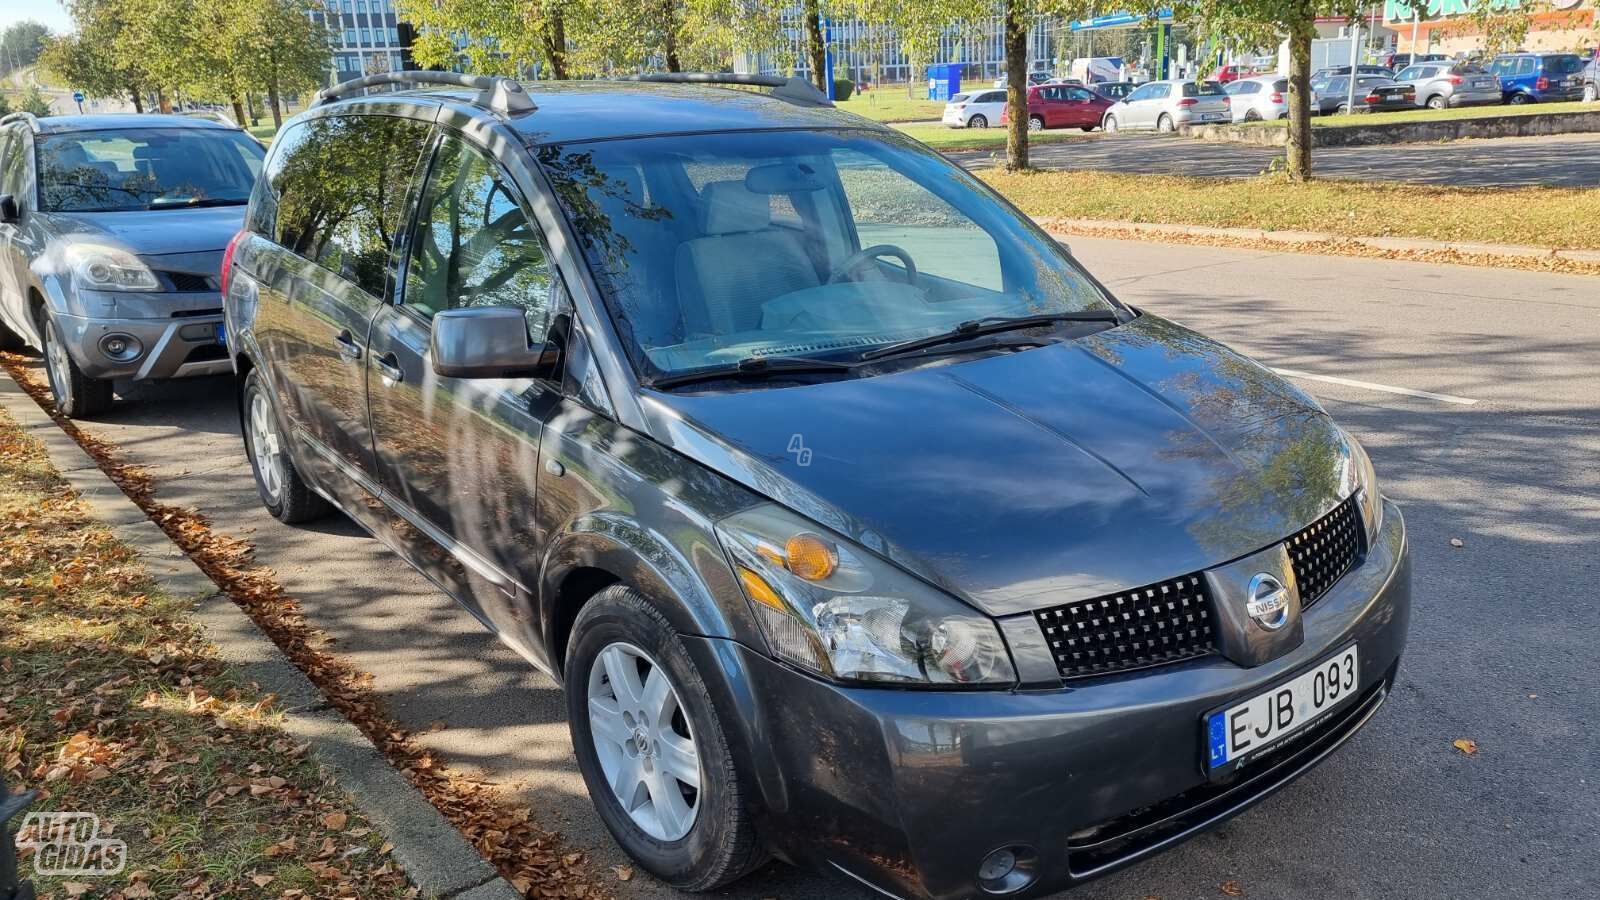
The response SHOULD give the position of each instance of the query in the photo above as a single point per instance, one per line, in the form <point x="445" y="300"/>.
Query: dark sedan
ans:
<point x="1373" y="93"/>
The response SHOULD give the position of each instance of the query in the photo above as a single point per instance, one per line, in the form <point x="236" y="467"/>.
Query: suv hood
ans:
<point x="1028" y="479"/>
<point x="154" y="232"/>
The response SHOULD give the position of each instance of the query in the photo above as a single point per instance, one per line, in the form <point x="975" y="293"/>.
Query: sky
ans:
<point x="49" y="12"/>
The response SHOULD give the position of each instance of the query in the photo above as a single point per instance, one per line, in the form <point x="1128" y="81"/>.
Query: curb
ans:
<point x="435" y="856"/>
<point x="1405" y="245"/>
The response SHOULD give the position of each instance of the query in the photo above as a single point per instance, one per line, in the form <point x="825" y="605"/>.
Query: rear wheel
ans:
<point x="1165" y="123"/>
<point x="1591" y="93"/>
<point x="1436" y="102"/>
<point x="76" y="395"/>
<point x="1520" y="99"/>
<point x="650" y="745"/>
<point x="1251" y="115"/>
<point x="283" y="492"/>
<point x="1035" y="123"/>
<point x="978" y="121"/>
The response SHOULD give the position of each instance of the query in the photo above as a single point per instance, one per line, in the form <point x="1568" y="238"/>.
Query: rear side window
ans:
<point x="1565" y="64"/>
<point x="959" y="98"/>
<point x="993" y="97"/>
<point x="339" y="189"/>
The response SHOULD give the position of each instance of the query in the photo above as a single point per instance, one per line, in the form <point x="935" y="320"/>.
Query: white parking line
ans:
<point x="1386" y="388"/>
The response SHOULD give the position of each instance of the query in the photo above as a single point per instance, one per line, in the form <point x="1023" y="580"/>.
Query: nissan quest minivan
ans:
<point x="862" y="526"/>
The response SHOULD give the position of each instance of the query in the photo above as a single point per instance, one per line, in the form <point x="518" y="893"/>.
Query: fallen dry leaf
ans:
<point x="1231" y="888"/>
<point x="1467" y="746"/>
<point x="624" y="873"/>
<point x="1457" y="542"/>
<point x="335" y="820"/>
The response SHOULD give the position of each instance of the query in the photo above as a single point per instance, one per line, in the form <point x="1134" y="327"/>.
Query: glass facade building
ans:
<point x="367" y="38"/>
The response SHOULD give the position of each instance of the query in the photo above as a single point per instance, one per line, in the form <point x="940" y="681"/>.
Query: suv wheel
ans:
<point x="978" y="122"/>
<point x="76" y="394"/>
<point x="651" y="748"/>
<point x="1520" y="98"/>
<point x="1436" y="102"/>
<point x="283" y="492"/>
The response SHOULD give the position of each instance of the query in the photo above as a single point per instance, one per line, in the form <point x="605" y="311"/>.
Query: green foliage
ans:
<point x="1500" y="26"/>
<point x="21" y="44"/>
<point x="5" y="105"/>
<point x="843" y="88"/>
<point x="34" y="102"/>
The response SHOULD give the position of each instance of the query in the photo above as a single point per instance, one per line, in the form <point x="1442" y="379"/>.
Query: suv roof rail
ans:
<point x="21" y="116"/>
<point x="211" y="115"/>
<point x="795" y="90"/>
<point x="501" y="94"/>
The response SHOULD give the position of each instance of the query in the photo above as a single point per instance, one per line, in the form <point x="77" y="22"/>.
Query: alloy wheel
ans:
<point x="264" y="446"/>
<point x="642" y="737"/>
<point x="1035" y="123"/>
<point x="978" y="122"/>
<point x="58" y="366"/>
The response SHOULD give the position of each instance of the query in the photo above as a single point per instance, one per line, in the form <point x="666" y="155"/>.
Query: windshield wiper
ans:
<point x="194" y="202"/>
<point x="979" y="327"/>
<point x="753" y="367"/>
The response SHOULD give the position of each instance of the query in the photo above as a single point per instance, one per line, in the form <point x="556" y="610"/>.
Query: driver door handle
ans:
<point x="346" y="343"/>
<point x="388" y="365"/>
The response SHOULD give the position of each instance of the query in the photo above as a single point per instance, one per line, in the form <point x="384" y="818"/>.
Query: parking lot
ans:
<point x="1477" y="394"/>
<point x="1569" y="160"/>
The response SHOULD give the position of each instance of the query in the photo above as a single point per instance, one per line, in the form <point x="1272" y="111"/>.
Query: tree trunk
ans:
<point x="272" y="100"/>
<point x="1016" y="43"/>
<point x="238" y="109"/>
<point x="138" y="101"/>
<point x="670" y="46"/>
<point x="250" y="105"/>
<point x="1299" y="167"/>
<point x="816" y="51"/>
<point x="555" y="44"/>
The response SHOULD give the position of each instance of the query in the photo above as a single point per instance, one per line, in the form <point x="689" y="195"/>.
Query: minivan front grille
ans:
<point x="1149" y="626"/>
<point x="1325" y="550"/>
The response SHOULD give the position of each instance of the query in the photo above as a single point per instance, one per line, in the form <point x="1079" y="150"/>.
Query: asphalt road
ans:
<point x="1503" y="636"/>
<point x="1565" y="160"/>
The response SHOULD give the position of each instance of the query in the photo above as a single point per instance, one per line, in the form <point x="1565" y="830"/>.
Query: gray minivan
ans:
<point x="863" y="527"/>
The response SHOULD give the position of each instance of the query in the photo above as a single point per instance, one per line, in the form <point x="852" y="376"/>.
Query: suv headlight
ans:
<point x="104" y="268"/>
<point x="1361" y="479"/>
<point x="839" y="611"/>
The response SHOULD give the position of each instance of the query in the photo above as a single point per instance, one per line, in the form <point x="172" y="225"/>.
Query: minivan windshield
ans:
<point x="712" y="250"/>
<point x="146" y="168"/>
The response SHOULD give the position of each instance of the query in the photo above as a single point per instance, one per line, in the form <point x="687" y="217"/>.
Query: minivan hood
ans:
<point x="154" y="232"/>
<point x="1029" y="479"/>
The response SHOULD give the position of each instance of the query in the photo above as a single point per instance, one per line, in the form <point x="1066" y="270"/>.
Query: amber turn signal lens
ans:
<point x="810" y="557"/>
<point x="759" y="590"/>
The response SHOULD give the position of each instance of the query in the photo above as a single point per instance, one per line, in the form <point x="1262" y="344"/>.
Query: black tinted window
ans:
<point x="146" y="168"/>
<point x="340" y="186"/>
<point x="1565" y="64"/>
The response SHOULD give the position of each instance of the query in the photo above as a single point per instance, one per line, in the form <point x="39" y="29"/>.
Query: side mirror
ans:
<point x="9" y="212"/>
<point x="489" y="342"/>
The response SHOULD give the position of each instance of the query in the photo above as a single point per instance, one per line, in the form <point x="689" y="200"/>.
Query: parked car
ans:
<point x="1373" y="93"/>
<point x="1227" y="74"/>
<point x="1441" y="85"/>
<point x="671" y="413"/>
<point x="1168" y="105"/>
<point x="1591" y="77"/>
<point x="1115" y="90"/>
<point x="1263" y="97"/>
<point x="1063" y="106"/>
<point x="1539" y="77"/>
<point x="1394" y="62"/>
<point x="111" y="232"/>
<point x="974" y="110"/>
<point x="1331" y="71"/>
<point x="1035" y="77"/>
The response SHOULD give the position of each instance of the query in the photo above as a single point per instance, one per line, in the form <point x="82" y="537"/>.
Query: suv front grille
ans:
<point x="1325" y="550"/>
<point x="189" y="282"/>
<point x="1148" y="626"/>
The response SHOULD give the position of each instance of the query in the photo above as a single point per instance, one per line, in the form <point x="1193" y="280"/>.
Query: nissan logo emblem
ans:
<point x="1267" y="601"/>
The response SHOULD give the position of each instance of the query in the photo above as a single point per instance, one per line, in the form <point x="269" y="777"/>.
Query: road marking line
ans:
<point x="1387" y="389"/>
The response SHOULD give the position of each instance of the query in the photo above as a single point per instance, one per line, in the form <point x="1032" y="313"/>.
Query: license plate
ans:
<point x="1205" y="116"/>
<point x="1247" y="728"/>
<point x="222" y="334"/>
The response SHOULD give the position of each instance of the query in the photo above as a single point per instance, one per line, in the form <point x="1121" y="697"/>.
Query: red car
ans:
<point x="1230" y="73"/>
<point x="1064" y="106"/>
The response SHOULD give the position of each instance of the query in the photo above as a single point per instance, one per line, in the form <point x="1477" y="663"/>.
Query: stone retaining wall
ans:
<point x="1408" y="132"/>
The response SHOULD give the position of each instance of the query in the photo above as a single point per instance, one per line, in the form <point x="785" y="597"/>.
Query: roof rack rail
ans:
<point x="795" y="90"/>
<point x="211" y="115"/>
<point x="21" y="116"/>
<point x="501" y="94"/>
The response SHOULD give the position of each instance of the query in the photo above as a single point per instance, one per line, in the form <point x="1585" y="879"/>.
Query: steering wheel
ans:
<point x="874" y="252"/>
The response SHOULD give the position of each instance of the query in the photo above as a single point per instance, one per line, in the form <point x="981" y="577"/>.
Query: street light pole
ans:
<point x="1355" y="50"/>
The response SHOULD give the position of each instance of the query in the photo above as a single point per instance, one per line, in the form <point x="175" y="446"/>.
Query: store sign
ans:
<point x="1401" y="10"/>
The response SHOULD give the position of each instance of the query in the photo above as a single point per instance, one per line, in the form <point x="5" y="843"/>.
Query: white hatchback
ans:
<point x="978" y="109"/>
<point x="1264" y="97"/>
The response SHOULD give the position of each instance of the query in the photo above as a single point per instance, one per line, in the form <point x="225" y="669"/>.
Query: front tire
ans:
<point x="76" y="395"/>
<point x="283" y="491"/>
<point x="651" y="747"/>
<point x="1110" y="125"/>
<point x="1035" y="123"/>
<point x="1436" y="102"/>
<point x="1591" y="93"/>
<point x="1164" y="124"/>
<point x="1520" y="99"/>
<point x="978" y="121"/>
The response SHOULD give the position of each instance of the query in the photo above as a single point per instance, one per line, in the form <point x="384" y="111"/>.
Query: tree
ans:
<point x="1018" y="17"/>
<point x="281" y="48"/>
<point x="1262" y="23"/>
<point x="21" y="45"/>
<point x="500" y="37"/>
<point x="1503" y="26"/>
<point x="816" y="46"/>
<point x="91" y="59"/>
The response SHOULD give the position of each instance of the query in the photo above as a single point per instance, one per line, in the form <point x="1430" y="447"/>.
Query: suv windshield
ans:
<point x="712" y="249"/>
<point x="146" y="168"/>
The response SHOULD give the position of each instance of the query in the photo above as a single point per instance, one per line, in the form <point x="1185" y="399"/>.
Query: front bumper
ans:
<point x="173" y="347"/>
<point x="909" y="790"/>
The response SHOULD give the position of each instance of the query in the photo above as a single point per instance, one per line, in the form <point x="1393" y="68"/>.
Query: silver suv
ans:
<point x="1440" y="85"/>
<point x="111" y="235"/>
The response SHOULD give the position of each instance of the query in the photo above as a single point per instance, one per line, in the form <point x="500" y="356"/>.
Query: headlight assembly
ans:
<point x="1360" y="478"/>
<point x="837" y="610"/>
<point x="103" y="268"/>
